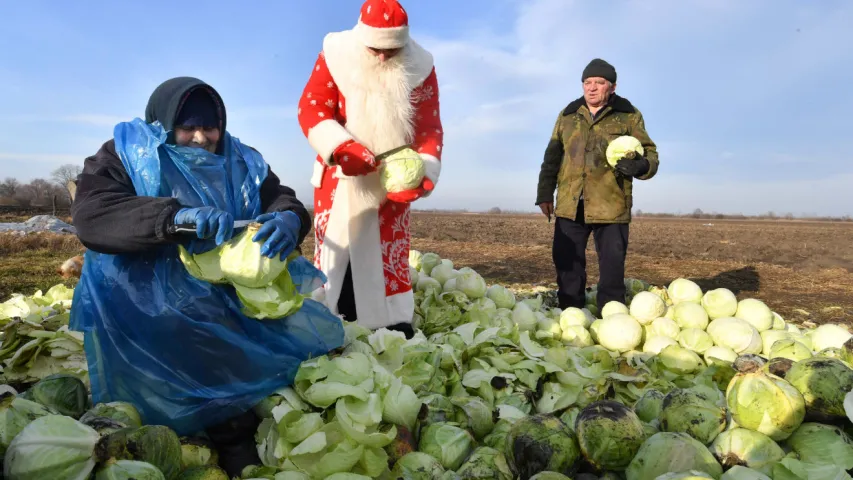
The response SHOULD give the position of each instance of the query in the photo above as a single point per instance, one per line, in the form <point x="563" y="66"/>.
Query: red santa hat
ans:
<point x="383" y="24"/>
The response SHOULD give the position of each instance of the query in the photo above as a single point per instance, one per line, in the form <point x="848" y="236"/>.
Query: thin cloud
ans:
<point x="515" y="82"/>
<point x="97" y="120"/>
<point x="245" y="114"/>
<point x="40" y="157"/>
<point x="89" y="119"/>
<point x="723" y="86"/>
<point x="26" y="166"/>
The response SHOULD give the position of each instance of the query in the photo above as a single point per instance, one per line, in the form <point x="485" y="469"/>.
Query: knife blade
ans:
<point x="388" y="153"/>
<point x="190" y="227"/>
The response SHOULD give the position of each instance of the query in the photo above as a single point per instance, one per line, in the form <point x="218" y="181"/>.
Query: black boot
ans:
<point x="346" y="302"/>
<point x="406" y="328"/>
<point x="234" y="440"/>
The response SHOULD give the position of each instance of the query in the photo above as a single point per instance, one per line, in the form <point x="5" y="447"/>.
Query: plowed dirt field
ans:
<point x="803" y="270"/>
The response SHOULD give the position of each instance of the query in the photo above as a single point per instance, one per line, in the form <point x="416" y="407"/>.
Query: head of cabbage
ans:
<point x="471" y="284"/>
<point x="684" y="290"/>
<point x="401" y="169"/>
<point x="646" y="307"/>
<point x="263" y="284"/>
<point x="617" y="148"/>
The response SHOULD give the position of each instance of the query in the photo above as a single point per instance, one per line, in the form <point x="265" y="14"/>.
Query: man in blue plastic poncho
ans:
<point x="178" y="348"/>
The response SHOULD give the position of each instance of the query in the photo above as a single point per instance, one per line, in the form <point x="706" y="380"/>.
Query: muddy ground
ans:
<point x="792" y="265"/>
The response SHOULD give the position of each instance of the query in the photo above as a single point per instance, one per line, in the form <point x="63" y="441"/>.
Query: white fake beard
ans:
<point x="378" y="101"/>
<point x="379" y="113"/>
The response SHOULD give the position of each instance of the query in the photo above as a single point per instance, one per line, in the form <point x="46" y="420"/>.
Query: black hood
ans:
<point x="166" y="101"/>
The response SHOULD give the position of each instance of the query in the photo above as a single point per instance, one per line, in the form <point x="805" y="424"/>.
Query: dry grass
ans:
<point x="54" y="243"/>
<point x="7" y="216"/>
<point x="30" y="263"/>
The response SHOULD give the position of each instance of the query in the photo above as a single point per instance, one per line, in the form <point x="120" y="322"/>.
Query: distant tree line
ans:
<point x="699" y="214"/>
<point x="40" y="192"/>
<point x="54" y="192"/>
<point x="696" y="214"/>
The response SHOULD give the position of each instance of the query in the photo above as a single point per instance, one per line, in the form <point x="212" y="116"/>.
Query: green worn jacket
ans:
<point x="575" y="164"/>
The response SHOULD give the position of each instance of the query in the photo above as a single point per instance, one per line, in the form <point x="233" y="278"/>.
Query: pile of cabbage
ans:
<point x="675" y="383"/>
<point x="35" y="341"/>
<point x="52" y="431"/>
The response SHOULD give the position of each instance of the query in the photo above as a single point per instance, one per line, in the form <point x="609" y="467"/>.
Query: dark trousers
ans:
<point x="346" y="302"/>
<point x="346" y="305"/>
<point x="569" y="253"/>
<point x="234" y="441"/>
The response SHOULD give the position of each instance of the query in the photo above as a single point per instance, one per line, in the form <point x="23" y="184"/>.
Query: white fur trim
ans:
<point x="432" y="166"/>
<point x="317" y="175"/>
<point x="325" y="137"/>
<point x="352" y="236"/>
<point x="334" y="253"/>
<point x="392" y="37"/>
<point x="379" y="109"/>
<point x="401" y="309"/>
<point x="367" y="187"/>
<point x="433" y="171"/>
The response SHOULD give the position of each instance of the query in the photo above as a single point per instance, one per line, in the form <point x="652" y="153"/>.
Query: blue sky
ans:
<point x="748" y="100"/>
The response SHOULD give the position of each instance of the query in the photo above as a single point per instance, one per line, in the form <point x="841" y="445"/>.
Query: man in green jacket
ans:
<point x="593" y="197"/>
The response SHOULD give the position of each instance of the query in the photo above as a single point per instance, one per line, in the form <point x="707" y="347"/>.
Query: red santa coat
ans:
<point x="348" y="96"/>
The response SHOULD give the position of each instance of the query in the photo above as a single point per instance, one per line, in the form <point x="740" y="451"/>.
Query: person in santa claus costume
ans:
<point x="373" y="89"/>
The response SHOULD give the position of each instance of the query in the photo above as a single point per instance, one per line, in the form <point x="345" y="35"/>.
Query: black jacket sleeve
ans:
<point x="111" y="218"/>
<point x="550" y="168"/>
<point x="276" y="197"/>
<point x="548" y="172"/>
<point x="108" y="214"/>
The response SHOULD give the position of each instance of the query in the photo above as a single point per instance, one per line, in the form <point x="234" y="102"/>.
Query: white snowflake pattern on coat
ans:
<point x="321" y="220"/>
<point x="395" y="248"/>
<point x="422" y="94"/>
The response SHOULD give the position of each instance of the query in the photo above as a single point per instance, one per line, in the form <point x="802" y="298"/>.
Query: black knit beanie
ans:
<point x="599" y="68"/>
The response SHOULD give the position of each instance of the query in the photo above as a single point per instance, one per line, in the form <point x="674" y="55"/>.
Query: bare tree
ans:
<point x="38" y="191"/>
<point x="65" y="174"/>
<point x="23" y="198"/>
<point x="9" y="187"/>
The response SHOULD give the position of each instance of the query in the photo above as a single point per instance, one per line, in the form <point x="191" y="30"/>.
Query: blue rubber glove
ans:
<point x="208" y="221"/>
<point x="281" y="232"/>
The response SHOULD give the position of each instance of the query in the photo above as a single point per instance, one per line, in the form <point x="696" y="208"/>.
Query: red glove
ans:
<point x="408" y="196"/>
<point x="354" y="159"/>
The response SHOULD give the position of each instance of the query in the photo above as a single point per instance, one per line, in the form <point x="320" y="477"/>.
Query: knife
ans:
<point x="190" y="227"/>
<point x="388" y="153"/>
